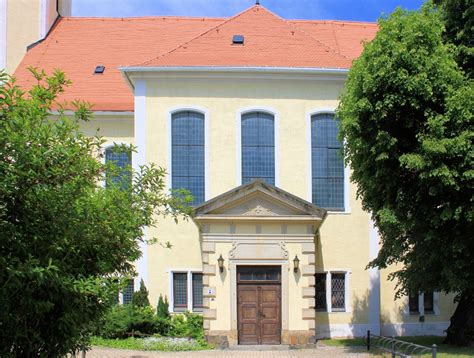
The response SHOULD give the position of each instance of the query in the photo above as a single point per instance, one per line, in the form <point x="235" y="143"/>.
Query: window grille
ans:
<point x="188" y="165"/>
<point x="338" y="291"/>
<point x="321" y="304"/>
<point x="180" y="291"/>
<point x="413" y="302"/>
<point x="197" y="291"/>
<point x="258" y="147"/>
<point x="122" y="160"/>
<point x="428" y="302"/>
<point x="127" y="293"/>
<point x="327" y="163"/>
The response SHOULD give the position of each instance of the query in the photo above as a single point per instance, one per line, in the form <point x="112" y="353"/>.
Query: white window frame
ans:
<point x="276" y="121"/>
<point x="421" y="305"/>
<point x="207" y="145"/>
<point x="189" y="277"/>
<point x="108" y="145"/>
<point x="347" y="207"/>
<point x="347" y="306"/>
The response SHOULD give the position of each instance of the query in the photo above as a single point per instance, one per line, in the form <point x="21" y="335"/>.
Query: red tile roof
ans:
<point x="78" y="45"/>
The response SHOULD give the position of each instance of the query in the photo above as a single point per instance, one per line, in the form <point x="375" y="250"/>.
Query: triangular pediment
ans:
<point x="259" y="200"/>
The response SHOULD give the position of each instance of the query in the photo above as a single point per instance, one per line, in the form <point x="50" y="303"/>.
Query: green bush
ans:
<point x="162" y="309"/>
<point x="123" y="320"/>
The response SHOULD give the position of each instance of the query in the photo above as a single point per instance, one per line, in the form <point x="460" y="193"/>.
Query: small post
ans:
<point x="368" y="340"/>
<point x="393" y="347"/>
<point x="83" y="353"/>
<point x="433" y="351"/>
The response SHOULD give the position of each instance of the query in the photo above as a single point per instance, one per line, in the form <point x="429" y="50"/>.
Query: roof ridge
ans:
<point x="291" y="26"/>
<point x="200" y="35"/>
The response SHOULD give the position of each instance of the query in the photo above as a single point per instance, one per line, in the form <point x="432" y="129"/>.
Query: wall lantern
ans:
<point x="220" y="262"/>
<point x="296" y="263"/>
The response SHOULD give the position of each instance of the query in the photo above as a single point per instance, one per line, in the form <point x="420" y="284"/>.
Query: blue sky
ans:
<point x="356" y="10"/>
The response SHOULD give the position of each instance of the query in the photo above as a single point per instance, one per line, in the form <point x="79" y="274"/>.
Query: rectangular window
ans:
<point x="197" y="291"/>
<point x="338" y="291"/>
<point x="180" y="291"/>
<point x="127" y="293"/>
<point x="321" y="304"/>
<point x="413" y="303"/>
<point x="428" y="302"/>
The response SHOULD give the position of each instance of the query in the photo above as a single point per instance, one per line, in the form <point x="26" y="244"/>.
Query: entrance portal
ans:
<point x="259" y="304"/>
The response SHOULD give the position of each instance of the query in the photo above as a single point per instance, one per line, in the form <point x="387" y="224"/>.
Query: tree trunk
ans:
<point x="461" y="330"/>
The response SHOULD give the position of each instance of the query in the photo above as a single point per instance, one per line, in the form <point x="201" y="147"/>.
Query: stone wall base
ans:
<point x="295" y="339"/>
<point x="298" y="339"/>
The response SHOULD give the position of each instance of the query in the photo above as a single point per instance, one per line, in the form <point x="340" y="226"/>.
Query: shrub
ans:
<point x="123" y="320"/>
<point x="162" y="309"/>
<point x="140" y="297"/>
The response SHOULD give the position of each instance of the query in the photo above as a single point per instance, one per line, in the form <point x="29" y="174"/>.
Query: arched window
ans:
<point x="327" y="162"/>
<point x="122" y="159"/>
<point x="187" y="162"/>
<point x="258" y="147"/>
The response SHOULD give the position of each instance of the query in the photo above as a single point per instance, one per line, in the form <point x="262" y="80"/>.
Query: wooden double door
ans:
<point x="259" y="304"/>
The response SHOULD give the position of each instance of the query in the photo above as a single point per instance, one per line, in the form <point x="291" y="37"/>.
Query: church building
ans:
<point x="241" y="112"/>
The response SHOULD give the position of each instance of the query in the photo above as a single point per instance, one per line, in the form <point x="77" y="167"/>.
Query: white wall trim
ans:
<point x="414" y="329"/>
<point x="346" y="330"/>
<point x="347" y="208"/>
<point x="3" y="34"/>
<point x="276" y="119"/>
<point x="374" y="279"/>
<point x="207" y="145"/>
<point x="139" y="159"/>
<point x="189" y="272"/>
<point x="43" y="23"/>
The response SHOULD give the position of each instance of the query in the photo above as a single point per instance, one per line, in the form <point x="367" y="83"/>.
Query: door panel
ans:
<point x="259" y="313"/>
<point x="269" y="309"/>
<point x="248" y="314"/>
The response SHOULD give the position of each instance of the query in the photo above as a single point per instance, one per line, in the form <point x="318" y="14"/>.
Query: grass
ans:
<point x="147" y="345"/>
<point x="444" y="350"/>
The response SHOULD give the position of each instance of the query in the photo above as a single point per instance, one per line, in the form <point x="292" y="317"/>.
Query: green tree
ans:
<point x="162" y="309"/>
<point x="406" y="115"/>
<point x="458" y="17"/>
<point x="64" y="237"/>
<point x="140" y="297"/>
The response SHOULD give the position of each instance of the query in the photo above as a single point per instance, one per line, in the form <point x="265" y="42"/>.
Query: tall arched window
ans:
<point x="327" y="162"/>
<point x="187" y="162"/>
<point x="121" y="159"/>
<point x="258" y="147"/>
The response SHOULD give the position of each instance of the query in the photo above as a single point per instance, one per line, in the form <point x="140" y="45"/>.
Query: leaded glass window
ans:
<point x="187" y="141"/>
<point x="127" y="293"/>
<point x="122" y="160"/>
<point x="327" y="163"/>
<point x="258" y="147"/>
<point x="413" y="304"/>
<point x="321" y="304"/>
<point x="180" y="291"/>
<point x="428" y="302"/>
<point x="338" y="291"/>
<point x="197" y="291"/>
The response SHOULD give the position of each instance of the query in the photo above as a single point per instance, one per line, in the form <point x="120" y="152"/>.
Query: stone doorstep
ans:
<point x="260" y="347"/>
